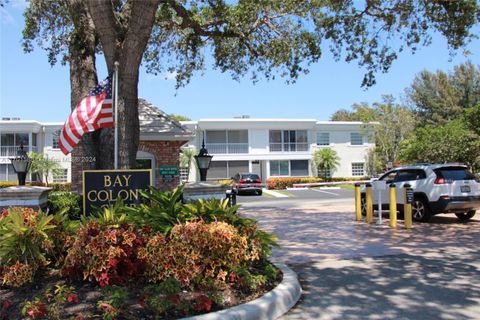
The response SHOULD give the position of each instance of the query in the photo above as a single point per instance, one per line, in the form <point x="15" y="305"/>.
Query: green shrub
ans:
<point x="64" y="186"/>
<point x="160" y="210"/>
<point x="24" y="235"/>
<point x="6" y="184"/>
<point x="62" y="200"/>
<point x="55" y="186"/>
<point x="288" y="182"/>
<point x="24" y="244"/>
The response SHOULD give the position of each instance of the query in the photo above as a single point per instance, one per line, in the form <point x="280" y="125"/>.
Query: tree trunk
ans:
<point x="83" y="77"/>
<point x="125" y="44"/>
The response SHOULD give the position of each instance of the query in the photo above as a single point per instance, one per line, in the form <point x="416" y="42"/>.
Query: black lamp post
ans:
<point x="203" y="161"/>
<point x="21" y="164"/>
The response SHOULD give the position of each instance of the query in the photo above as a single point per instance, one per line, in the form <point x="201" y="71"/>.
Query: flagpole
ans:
<point x="115" y="151"/>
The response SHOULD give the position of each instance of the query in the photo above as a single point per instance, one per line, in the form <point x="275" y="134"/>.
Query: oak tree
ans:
<point x="262" y="39"/>
<point x="443" y="96"/>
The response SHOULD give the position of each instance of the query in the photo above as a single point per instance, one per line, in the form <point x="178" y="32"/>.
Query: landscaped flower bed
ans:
<point x="163" y="259"/>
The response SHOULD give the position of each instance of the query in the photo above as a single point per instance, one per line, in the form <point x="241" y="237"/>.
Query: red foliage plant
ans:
<point x="197" y="251"/>
<point x="105" y="253"/>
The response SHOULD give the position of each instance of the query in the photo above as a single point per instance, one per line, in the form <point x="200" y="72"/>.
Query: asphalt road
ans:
<point x="355" y="270"/>
<point x="293" y="197"/>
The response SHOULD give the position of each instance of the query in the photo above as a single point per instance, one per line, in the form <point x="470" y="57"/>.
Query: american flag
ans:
<point x="95" y="111"/>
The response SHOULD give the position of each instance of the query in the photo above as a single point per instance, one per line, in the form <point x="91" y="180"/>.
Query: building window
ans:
<point x="55" y="139"/>
<point x="60" y="175"/>
<point x="226" y="169"/>
<point x="288" y="140"/>
<point x="21" y="139"/>
<point x="279" y="168"/>
<point x="356" y="139"/>
<point x="299" y="168"/>
<point x="143" y="164"/>
<point x="10" y="142"/>
<point x="358" y="169"/>
<point x="294" y="168"/>
<point x="226" y="141"/>
<point x="323" y="138"/>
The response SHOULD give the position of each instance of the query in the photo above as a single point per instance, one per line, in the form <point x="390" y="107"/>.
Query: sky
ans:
<point x="31" y="89"/>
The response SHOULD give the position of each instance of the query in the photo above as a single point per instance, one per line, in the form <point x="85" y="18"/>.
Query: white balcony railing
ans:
<point x="227" y="148"/>
<point x="11" y="151"/>
<point x="288" y="147"/>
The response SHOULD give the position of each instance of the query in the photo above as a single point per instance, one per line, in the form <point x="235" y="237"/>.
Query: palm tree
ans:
<point x="326" y="161"/>
<point x="44" y="166"/>
<point x="187" y="156"/>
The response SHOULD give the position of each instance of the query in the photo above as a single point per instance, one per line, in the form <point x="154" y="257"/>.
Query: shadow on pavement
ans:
<point x="394" y="287"/>
<point x="352" y="270"/>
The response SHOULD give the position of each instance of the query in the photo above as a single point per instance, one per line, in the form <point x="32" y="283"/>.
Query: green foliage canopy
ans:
<point x="452" y="142"/>
<point x="391" y="122"/>
<point x="262" y="37"/>
<point x="440" y="97"/>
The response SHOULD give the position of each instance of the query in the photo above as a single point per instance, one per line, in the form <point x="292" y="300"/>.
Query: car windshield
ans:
<point x="454" y="173"/>
<point x="388" y="177"/>
<point x="250" y="176"/>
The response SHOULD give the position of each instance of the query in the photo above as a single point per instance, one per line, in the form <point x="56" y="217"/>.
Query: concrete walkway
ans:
<point x="352" y="270"/>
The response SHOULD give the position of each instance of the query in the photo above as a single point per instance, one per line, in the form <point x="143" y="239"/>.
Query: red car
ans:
<point x="247" y="182"/>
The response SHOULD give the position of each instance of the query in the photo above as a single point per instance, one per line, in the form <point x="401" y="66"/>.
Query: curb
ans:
<point x="274" y="193"/>
<point x="270" y="306"/>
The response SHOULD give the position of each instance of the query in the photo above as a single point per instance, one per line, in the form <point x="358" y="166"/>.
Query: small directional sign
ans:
<point x="168" y="173"/>
<point x="409" y="194"/>
<point x="168" y="170"/>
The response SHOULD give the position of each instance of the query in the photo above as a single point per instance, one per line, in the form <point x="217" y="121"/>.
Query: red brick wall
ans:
<point x="166" y="153"/>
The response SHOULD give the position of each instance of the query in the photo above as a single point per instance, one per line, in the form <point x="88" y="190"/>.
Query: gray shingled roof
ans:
<point x="156" y="123"/>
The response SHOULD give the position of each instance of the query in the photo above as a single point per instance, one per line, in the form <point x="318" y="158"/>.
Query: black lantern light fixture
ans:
<point x="21" y="164"/>
<point x="203" y="161"/>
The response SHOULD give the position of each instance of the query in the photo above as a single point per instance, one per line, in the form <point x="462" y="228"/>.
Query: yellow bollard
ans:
<point x="393" y="206"/>
<point x="358" y="203"/>
<point x="407" y="206"/>
<point x="368" y="201"/>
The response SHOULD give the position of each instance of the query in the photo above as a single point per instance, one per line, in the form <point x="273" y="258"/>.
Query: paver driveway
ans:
<point x="352" y="270"/>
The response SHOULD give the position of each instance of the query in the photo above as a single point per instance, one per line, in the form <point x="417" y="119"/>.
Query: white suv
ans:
<point x="438" y="188"/>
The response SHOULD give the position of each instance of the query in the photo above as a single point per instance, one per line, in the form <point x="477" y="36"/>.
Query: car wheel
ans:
<point x="259" y="192"/>
<point x="420" y="210"/>
<point x="466" y="215"/>
<point x="363" y="204"/>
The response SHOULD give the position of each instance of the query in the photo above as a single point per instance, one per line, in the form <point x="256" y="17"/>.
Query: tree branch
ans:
<point x="142" y="18"/>
<point x="101" y="11"/>
<point x="188" y="21"/>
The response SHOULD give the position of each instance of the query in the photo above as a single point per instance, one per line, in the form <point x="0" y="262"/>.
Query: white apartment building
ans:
<point x="280" y="147"/>
<point x="161" y="138"/>
<point x="268" y="147"/>
<point x="36" y="137"/>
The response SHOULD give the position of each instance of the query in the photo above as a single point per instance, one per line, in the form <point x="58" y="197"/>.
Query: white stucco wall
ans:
<point x="258" y="138"/>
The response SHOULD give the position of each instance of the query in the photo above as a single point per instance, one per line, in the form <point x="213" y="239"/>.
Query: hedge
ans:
<point x="55" y="186"/>
<point x="288" y="182"/>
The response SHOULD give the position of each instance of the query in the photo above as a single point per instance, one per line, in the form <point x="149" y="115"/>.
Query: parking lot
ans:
<point x="294" y="196"/>
<point x="352" y="270"/>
